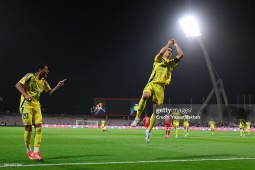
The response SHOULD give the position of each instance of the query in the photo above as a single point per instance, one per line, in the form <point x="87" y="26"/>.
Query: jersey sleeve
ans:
<point x="47" y="87"/>
<point x="158" y="58"/>
<point x="26" y="78"/>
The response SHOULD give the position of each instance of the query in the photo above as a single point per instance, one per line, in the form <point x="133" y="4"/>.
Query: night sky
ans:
<point x="106" y="49"/>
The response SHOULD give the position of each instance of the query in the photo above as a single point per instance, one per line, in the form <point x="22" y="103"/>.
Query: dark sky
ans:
<point x="106" y="49"/>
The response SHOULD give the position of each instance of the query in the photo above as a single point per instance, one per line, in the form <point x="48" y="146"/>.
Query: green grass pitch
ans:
<point x="121" y="149"/>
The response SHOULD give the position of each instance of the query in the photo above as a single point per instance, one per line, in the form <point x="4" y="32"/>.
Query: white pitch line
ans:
<point x="127" y="162"/>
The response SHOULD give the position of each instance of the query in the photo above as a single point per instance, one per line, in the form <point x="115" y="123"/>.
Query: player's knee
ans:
<point x="146" y="95"/>
<point x="28" y="127"/>
<point x="38" y="125"/>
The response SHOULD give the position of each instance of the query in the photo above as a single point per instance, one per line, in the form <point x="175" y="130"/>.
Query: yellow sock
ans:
<point x="176" y="131"/>
<point x="185" y="131"/>
<point x="152" y="121"/>
<point x="140" y="108"/>
<point x="38" y="136"/>
<point x="27" y="138"/>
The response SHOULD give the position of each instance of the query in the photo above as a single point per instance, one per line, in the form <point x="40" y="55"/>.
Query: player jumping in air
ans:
<point x="159" y="78"/>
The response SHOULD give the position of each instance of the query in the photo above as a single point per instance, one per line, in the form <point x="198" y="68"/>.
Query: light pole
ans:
<point x="191" y="29"/>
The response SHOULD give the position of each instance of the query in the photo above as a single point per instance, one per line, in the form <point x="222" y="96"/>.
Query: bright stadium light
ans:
<point x="190" y="26"/>
<point x="191" y="29"/>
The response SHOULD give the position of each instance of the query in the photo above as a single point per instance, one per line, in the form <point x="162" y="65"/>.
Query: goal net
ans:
<point x="87" y="123"/>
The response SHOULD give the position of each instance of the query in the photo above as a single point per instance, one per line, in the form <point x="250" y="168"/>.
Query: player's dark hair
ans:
<point x="39" y="66"/>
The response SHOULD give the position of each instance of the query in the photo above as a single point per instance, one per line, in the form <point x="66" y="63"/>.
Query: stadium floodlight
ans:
<point x="191" y="29"/>
<point x="190" y="26"/>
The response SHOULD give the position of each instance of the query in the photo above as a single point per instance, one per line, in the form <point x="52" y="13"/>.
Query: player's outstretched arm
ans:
<point x="179" y="50"/>
<point x="60" y="84"/>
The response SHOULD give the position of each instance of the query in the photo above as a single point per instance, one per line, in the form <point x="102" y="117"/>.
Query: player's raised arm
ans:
<point x="179" y="50"/>
<point x="163" y="50"/>
<point x="60" y="83"/>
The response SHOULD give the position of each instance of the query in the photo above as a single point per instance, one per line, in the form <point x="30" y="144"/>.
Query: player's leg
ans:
<point x="26" y="115"/>
<point x="148" y="130"/>
<point x="157" y="91"/>
<point x="185" y="130"/>
<point x="169" y="130"/>
<point x="142" y="103"/>
<point x="166" y="133"/>
<point x="176" y="130"/>
<point x="38" y="132"/>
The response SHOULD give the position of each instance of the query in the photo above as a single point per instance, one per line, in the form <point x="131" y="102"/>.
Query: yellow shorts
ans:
<point x="31" y="116"/>
<point x="156" y="91"/>
<point x="186" y="124"/>
<point x="176" y="124"/>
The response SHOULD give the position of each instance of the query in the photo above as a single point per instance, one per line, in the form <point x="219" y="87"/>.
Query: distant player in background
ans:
<point x="30" y="87"/>
<point x="211" y="125"/>
<point x="168" y="125"/>
<point x="103" y="126"/>
<point x="248" y="127"/>
<point x="241" y="127"/>
<point x="186" y="125"/>
<point x="176" y="122"/>
<point x="159" y="78"/>
<point x="146" y="121"/>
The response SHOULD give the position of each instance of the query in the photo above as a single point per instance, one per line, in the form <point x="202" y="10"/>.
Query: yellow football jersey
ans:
<point x="248" y="125"/>
<point x="102" y="122"/>
<point x="211" y="123"/>
<point x="176" y="117"/>
<point x="162" y="69"/>
<point x="241" y="125"/>
<point x="186" y="119"/>
<point x="33" y="87"/>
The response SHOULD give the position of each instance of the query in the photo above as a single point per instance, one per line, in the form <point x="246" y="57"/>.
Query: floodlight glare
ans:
<point x="190" y="26"/>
